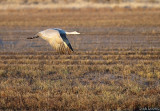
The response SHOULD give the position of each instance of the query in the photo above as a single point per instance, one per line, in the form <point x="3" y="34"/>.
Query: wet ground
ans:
<point x="100" y="28"/>
<point x="14" y="39"/>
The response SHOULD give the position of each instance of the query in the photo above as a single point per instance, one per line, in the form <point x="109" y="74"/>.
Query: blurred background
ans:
<point x="73" y="1"/>
<point x="79" y="3"/>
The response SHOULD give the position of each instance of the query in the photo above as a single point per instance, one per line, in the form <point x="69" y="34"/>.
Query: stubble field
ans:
<point x="115" y="64"/>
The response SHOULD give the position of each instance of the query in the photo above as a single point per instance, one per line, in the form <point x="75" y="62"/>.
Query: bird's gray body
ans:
<point x="57" y="39"/>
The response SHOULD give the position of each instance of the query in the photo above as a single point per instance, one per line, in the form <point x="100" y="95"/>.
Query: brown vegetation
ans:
<point x="81" y="81"/>
<point x="115" y="66"/>
<point x="74" y="18"/>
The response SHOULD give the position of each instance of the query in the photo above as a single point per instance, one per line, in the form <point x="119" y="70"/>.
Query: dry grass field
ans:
<point x="115" y="66"/>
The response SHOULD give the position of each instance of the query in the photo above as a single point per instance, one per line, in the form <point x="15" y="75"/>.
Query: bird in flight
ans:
<point x="57" y="39"/>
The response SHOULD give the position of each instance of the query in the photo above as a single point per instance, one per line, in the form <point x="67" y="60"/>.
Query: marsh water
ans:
<point x="95" y="38"/>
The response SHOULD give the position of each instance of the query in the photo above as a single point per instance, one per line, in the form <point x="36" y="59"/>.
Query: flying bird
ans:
<point x="57" y="39"/>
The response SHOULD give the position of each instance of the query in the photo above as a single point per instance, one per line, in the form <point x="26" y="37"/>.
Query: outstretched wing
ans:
<point x="57" y="40"/>
<point x="63" y="36"/>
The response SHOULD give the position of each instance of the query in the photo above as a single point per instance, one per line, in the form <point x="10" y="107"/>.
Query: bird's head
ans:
<point x="75" y="32"/>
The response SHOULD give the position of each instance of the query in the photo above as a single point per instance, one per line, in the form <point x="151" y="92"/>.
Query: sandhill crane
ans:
<point x="57" y="39"/>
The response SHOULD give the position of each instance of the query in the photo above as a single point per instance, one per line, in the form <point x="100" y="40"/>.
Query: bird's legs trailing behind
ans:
<point x="36" y="36"/>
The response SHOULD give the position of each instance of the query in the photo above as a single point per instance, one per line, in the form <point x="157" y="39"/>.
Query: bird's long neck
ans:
<point x="72" y="32"/>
